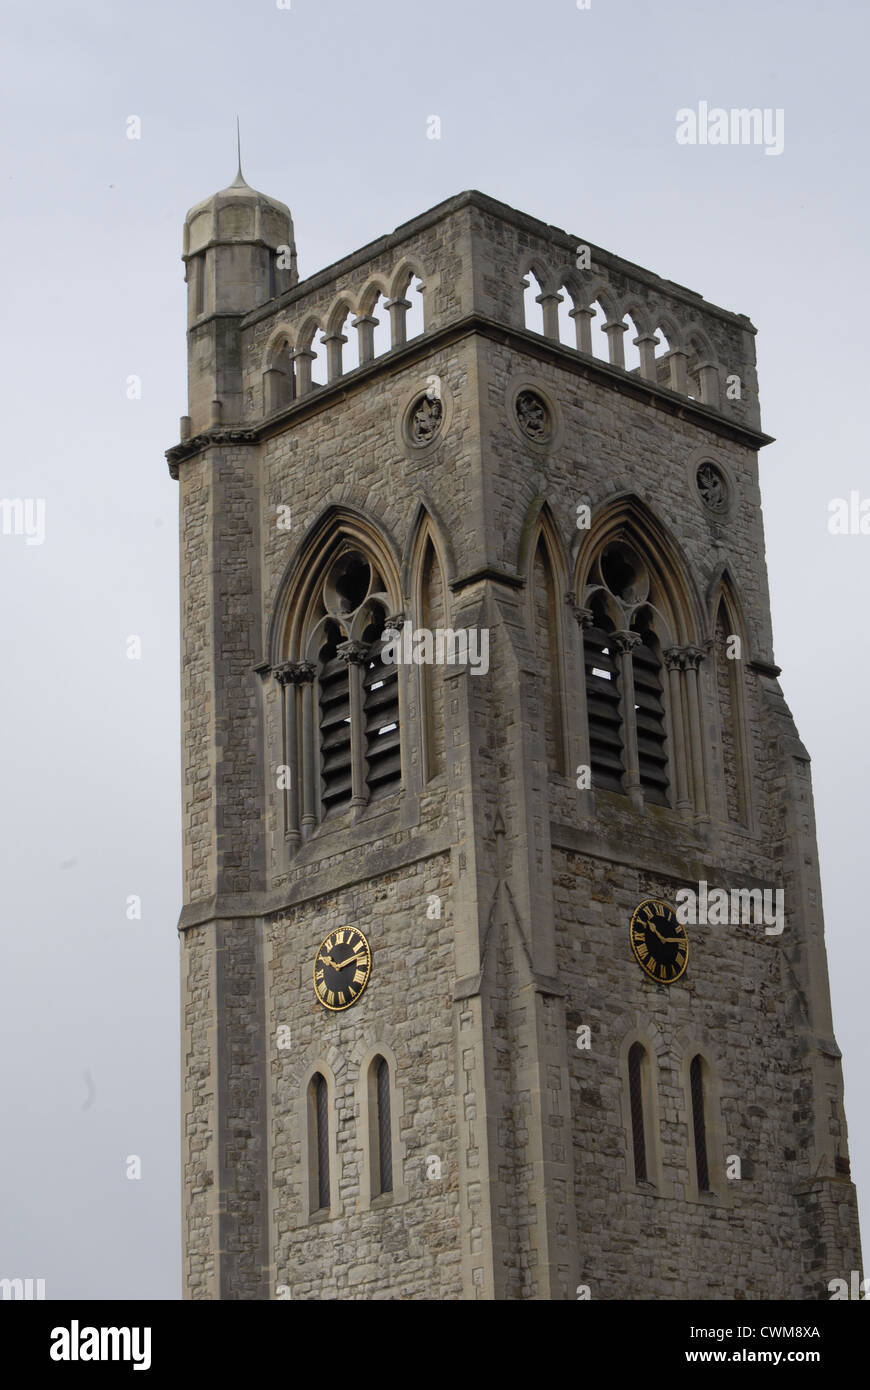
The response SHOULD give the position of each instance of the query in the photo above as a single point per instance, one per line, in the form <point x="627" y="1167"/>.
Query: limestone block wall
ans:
<point x="404" y="1244"/>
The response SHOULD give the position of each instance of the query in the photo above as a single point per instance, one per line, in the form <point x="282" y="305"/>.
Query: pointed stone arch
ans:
<point x="626" y="516"/>
<point x="428" y="575"/>
<point x="542" y="563"/>
<point x="731" y="697"/>
<point x="337" y="523"/>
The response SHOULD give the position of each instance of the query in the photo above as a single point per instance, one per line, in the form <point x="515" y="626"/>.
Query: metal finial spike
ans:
<point x="239" y="146"/>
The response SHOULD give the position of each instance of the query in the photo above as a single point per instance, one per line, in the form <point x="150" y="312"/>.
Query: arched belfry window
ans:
<point x="642" y="696"/>
<point x="602" y="697"/>
<point x="359" y="703"/>
<point x="649" y="710"/>
<point x="341" y="700"/>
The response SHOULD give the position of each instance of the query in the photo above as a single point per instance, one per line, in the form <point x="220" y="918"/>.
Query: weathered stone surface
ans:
<point x="478" y="1009"/>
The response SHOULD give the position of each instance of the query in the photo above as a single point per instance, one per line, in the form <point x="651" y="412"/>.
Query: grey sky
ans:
<point x="567" y="114"/>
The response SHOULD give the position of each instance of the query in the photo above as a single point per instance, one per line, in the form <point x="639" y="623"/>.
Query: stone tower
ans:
<point x="580" y="714"/>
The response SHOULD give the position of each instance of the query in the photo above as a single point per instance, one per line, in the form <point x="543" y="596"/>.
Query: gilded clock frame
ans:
<point x="340" y="1008"/>
<point x="657" y="903"/>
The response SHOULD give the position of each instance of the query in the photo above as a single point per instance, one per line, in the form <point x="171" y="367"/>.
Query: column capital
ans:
<point x="584" y="616"/>
<point x="304" y="352"/>
<point x="396" y="621"/>
<point x="353" y="653"/>
<point x="294" y="672"/>
<point x="686" y="658"/>
<point x="625" y="641"/>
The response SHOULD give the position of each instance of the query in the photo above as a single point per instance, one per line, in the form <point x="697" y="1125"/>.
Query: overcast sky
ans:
<point x="568" y="114"/>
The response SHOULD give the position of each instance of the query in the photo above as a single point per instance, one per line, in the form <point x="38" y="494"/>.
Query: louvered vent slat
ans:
<point x="649" y="717"/>
<point x="602" y="707"/>
<point x="336" y="786"/>
<point x="380" y="712"/>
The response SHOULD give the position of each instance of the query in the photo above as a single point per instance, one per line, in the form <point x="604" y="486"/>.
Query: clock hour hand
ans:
<point x="349" y="960"/>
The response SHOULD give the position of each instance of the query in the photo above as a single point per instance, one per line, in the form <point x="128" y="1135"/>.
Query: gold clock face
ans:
<point x="660" y="943"/>
<point x="341" y="968"/>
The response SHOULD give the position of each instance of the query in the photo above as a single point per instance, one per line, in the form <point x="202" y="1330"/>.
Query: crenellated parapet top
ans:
<point x="474" y="262"/>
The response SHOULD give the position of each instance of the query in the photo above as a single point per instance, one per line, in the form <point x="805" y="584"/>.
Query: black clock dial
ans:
<point x="660" y="943"/>
<point x="341" y="968"/>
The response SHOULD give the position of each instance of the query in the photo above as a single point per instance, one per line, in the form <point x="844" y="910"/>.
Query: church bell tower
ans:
<point x="502" y="951"/>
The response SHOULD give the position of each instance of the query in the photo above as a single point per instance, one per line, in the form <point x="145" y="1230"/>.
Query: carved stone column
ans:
<point x="692" y="658"/>
<point x="625" y="643"/>
<point x="398" y="330"/>
<point x="303" y="359"/>
<point x="646" y="344"/>
<point x="708" y="375"/>
<point x="679" y="381"/>
<point x="290" y="676"/>
<point x="583" y="324"/>
<point x="365" y="326"/>
<point x="355" y="655"/>
<point x="550" y="305"/>
<point x="334" y="343"/>
<point x="615" y="342"/>
<point x="584" y="618"/>
<point x="673" y="658"/>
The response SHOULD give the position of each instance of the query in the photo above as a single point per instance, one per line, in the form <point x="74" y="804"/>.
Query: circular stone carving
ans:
<point x="532" y="415"/>
<point x="712" y="487"/>
<point x="425" y="419"/>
